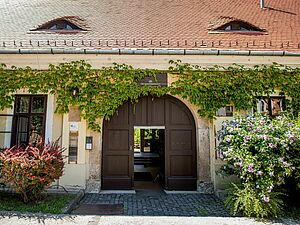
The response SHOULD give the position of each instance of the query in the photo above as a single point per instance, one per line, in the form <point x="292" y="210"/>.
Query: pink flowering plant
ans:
<point x="31" y="169"/>
<point x="261" y="151"/>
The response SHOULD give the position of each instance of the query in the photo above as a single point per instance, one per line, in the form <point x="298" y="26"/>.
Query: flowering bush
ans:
<point x="246" y="200"/>
<point x="31" y="169"/>
<point x="260" y="151"/>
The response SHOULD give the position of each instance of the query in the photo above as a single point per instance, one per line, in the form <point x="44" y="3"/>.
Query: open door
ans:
<point x="181" y="155"/>
<point x="117" y="166"/>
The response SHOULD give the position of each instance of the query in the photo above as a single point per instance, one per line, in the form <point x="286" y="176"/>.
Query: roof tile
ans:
<point x="169" y="24"/>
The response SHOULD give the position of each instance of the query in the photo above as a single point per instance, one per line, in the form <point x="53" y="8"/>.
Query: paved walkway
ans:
<point x="157" y="203"/>
<point x="148" y="208"/>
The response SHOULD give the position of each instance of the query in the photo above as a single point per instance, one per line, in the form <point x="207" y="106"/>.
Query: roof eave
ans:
<point x="116" y="51"/>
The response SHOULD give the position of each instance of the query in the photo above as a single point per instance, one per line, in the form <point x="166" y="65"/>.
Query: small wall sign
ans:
<point x="74" y="127"/>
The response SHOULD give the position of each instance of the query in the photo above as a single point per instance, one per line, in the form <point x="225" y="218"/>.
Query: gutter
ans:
<point x="116" y="51"/>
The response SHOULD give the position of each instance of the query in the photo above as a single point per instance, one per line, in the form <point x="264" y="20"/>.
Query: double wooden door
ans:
<point x="180" y="147"/>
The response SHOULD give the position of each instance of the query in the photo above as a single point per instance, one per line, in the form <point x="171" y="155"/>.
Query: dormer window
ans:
<point x="62" y="25"/>
<point x="235" y="26"/>
<point x="238" y="26"/>
<point x="68" y="24"/>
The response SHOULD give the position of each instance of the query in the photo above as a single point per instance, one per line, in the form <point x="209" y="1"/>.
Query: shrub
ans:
<point x="245" y="200"/>
<point x="296" y="162"/>
<point x="31" y="169"/>
<point x="261" y="152"/>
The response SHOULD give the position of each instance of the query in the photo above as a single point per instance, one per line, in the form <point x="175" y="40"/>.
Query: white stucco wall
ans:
<point x="41" y="61"/>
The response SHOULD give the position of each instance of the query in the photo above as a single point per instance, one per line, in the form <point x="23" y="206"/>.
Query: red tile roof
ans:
<point x="183" y="24"/>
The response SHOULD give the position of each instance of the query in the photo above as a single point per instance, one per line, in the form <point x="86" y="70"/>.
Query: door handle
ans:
<point x="130" y="148"/>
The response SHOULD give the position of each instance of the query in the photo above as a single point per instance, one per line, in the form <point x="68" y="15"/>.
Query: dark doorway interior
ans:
<point x="149" y="158"/>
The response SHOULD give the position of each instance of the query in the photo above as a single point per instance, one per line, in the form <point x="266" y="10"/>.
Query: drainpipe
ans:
<point x="262" y="4"/>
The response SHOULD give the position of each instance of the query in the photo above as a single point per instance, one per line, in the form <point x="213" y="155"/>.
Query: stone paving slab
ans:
<point x="137" y="220"/>
<point x="117" y="220"/>
<point x="99" y="209"/>
<point x="158" y="203"/>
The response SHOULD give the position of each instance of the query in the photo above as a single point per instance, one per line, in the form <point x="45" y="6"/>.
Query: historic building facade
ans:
<point x="160" y="141"/>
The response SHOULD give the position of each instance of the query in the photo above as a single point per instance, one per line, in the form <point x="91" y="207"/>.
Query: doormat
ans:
<point x="143" y="176"/>
<point x="99" y="209"/>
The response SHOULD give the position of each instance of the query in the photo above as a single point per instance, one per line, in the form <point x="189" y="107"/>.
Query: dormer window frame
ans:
<point x="240" y="27"/>
<point x="60" y="25"/>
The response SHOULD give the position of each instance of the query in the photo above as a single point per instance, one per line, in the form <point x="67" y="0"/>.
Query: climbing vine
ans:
<point x="101" y="92"/>
<point x="213" y="88"/>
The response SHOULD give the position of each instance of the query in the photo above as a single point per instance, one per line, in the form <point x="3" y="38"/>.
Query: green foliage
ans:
<point x="51" y="204"/>
<point x="203" y="211"/>
<point x="262" y="152"/>
<point x="101" y="92"/>
<point x="213" y="88"/>
<point x="137" y="136"/>
<point x="245" y="200"/>
<point x="296" y="160"/>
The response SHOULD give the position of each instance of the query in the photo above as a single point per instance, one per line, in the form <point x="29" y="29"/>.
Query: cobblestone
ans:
<point x="157" y="203"/>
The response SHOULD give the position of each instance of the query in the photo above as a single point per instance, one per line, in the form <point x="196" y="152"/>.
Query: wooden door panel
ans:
<point x="182" y="183"/>
<point x="181" y="160"/>
<point x="181" y="154"/>
<point x="117" y="161"/>
<point x="177" y="115"/>
<point x="118" y="140"/>
<point x="121" y="118"/>
<point x="181" y="140"/>
<point x="156" y="111"/>
<point x="140" y="112"/>
<point x="116" y="183"/>
<point x="181" y="165"/>
<point x="117" y="165"/>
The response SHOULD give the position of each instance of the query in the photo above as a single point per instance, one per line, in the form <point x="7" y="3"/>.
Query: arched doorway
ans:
<point x="179" y="156"/>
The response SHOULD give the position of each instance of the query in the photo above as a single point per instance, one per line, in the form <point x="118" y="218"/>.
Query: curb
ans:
<point x="72" y="205"/>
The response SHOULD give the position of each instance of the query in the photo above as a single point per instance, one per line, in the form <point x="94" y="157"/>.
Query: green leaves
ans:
<point x="101" y="92"/>
<point x="246" y="201"/>
<point x="262" y="152"/>
<point x="213" y="88"/>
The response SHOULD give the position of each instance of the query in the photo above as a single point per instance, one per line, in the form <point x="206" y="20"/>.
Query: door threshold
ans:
<point x="180" y="192"/>
<point x="117" y="192"/>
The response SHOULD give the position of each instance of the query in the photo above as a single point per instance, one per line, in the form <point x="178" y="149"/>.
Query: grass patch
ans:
<point x="52" y="203"/>
<point x="203" y="212"/>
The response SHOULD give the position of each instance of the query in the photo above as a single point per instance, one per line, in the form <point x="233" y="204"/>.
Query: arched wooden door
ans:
<point x="180" y="143"/>
<point x="181" y="158"/>
<point x="117" y="160"/>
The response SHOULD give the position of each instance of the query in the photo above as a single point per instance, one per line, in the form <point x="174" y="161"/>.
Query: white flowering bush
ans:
<point x="261" y="151"/>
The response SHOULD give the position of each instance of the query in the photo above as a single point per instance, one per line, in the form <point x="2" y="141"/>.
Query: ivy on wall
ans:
<point x="101" y="92"/>
<point x="213" y="88"/>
